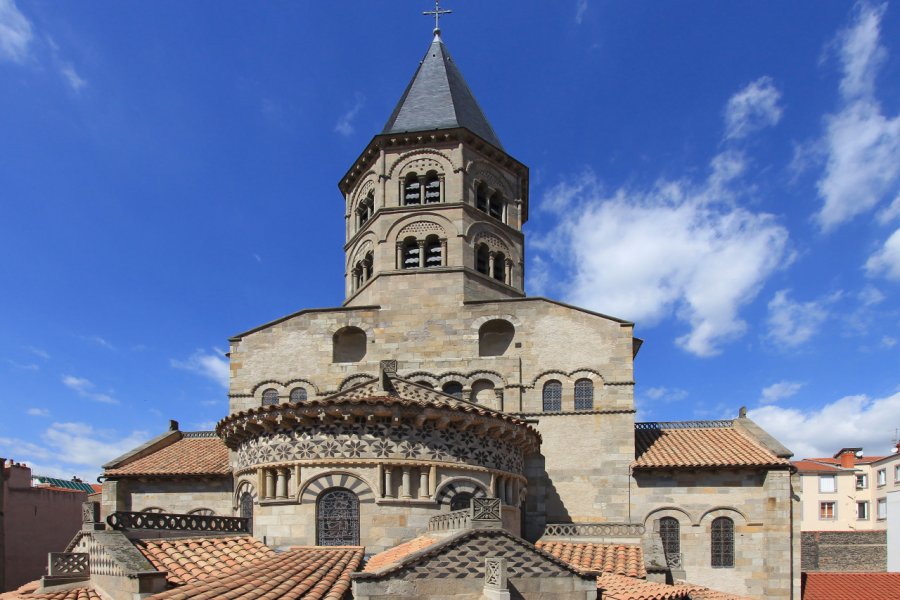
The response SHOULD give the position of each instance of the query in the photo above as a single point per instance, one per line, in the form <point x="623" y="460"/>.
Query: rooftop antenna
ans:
<point x="438" y="12"/>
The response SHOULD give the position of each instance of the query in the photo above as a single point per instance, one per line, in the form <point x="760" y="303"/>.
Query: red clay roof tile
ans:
<point x="397" y="553"/>
<point x="851" y="586"/>
<point x="195" y="559"/>
<point x="187" y="456"/>
<point x="619" y="559"/>
<point x="29" y="592"/>
<point x="674" y="445"/>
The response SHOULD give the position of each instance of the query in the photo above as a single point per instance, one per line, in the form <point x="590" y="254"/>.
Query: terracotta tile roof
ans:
<point x="187" y="456"/>
<point x="29" y="592"/>
<point x="619" y="559"/>
<point x="312" y="573"/>
<point x="620" y="587"/>
<point x="698" y="444"/>
<point x="836" y="461"/>
<point x="850" y="586"/>
<point x="397" y="553"/>
<point x="187" y="560"/>
<point x="811" y="466"/>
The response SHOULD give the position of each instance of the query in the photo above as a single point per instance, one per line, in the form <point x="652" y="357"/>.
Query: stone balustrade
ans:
<point x="173" y="522"/>
<point x="69" y="564"/>
<point x="606" y="530"/>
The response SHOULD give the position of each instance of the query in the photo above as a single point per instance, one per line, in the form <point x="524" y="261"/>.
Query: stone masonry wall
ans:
<point x="844" y="550"/>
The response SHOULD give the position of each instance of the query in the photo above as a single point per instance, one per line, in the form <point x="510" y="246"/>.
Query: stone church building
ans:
<point x="438" y="391"/>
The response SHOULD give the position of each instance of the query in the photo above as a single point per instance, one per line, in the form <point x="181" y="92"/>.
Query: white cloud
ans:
<point x="679" y="247"/>
<point x="792" y="323"/>
<point x="779" y="391"/>
<point x="888" y="341"/>
<point x="852" y="421"/>
<point x="67" y="447"/>
<point x="72" y="78"/>
<point x="38" y="352"/>
<point x="891" y="212"/>
<point x="665" y="394"/>
<point x="344" y="125"/>
<point x="85" y="389"/>
<point x="580" y="10"/>
<point x="205" y="425"/>
<point x="102" y="342"/>
<point x="38" y="412"/>
<point x="23" y="366"/>
<point x="212" y="365"/>
<point x="15" y="33"/>
<point x="753" y="108"/>
<point x="886" y="260"/>
<point x="870" y="296"/>
<point x="862" y="144"/>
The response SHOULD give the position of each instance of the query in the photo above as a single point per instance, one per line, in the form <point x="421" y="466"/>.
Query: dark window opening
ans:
<point x="453" y="388"/>
<point x="482" y="259"/>
<point x="337" y="518"/>
<point x="461" y="500"/>
<point x="432" y="189"/>
<point x="432" y="251"/>
<point x="412" y="190"/>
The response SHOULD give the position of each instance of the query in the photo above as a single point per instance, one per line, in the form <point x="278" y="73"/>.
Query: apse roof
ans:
<point x="439" y="98"/>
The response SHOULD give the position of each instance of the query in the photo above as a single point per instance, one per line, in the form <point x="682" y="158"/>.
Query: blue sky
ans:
<point x="725" y="174"/>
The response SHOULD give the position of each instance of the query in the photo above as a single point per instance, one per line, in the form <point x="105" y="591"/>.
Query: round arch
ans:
<point x="310" y="490"/>
<point x="459" y="485"/>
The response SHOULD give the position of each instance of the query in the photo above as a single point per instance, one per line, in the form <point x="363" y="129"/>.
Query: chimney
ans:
<point x="173" y="425"/>
<point x="847" y="457"/>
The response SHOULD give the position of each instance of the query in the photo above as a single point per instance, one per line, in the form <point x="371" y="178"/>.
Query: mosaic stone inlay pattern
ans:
<point x="467" y="560"/>
<point x="381" y="441"/>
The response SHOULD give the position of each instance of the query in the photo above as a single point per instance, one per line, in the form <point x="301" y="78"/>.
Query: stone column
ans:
<point x="406" y="491"/>
<point x="281" y="485"/>
<point x="399" y="255"/>
<point x="507" y="273"/>
<point x="270" y="484"/>
<point x="444" y="251"/>
<point x="421" y="244"/>
<point x="491" y="263"/>
<point x="423" y="483"/>
<point x="388" y="484"/>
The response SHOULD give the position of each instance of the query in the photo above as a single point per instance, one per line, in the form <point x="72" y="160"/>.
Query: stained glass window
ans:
<point x="722" y="542"/>
<point x="337" y="518"/>
<point x="670" y="532"/>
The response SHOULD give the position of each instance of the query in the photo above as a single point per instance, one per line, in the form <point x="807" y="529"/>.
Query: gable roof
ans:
<point x="812" y="466"/>
<point x="29" y="592"/>
<point x="438" y="97"/>
<point x="699" y="444"/>
<point x="194" y="559"/>
<point x="310" y="573"/>
<point x="620" y="559"/>
<point x="850" y="586"/>
<point x="198" y="453"/>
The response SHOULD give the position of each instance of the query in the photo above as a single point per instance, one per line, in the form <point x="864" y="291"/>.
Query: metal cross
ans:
<point x="437" y="12"/>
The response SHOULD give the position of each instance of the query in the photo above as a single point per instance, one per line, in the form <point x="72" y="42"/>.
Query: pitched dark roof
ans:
<point x="438" y="98"/>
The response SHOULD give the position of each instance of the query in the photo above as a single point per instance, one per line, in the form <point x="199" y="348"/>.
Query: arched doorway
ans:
<point x="337" y="518"/>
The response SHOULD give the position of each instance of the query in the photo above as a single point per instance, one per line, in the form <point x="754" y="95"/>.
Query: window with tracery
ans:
<point x="269" y="397"/>
<point x="298" y="394"/>
<point x="552" y="396"/>
<point x="460" y="501"/>
<point x="247" y="509"/>
<point x="453" y="388"/>
<point x="412" y="190"/>
<point x="432" y="251"/>
<point x="722" y="542"/>
<point x="584" y="394"/>
<point x="337" y="518"/>
<point x="670" y="533"/>
<point x="432" y="188"/>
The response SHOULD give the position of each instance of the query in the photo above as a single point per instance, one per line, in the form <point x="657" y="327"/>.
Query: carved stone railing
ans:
<point x="483" y="512"/>
<point x="673" y="560"/>
<point x="173" y="522"/>
<point x="457" y="519"/>
<point x="593" y="530"/>
<point x="69" y="564"/>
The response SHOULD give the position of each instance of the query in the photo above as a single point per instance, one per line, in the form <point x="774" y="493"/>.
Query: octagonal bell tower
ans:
<point x="434" y="203"/>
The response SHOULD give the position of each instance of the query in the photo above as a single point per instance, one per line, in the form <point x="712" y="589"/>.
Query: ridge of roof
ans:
<point x="438" y="97"/>
<point x="185" y="456"/>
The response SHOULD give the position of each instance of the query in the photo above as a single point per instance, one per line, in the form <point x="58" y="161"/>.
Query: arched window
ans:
<point x="153" y="510"/>
<point x="461" y="500"/>
<point x="722" y="542"/>
<point x="298" y="394"/>
<point x="432" y="188"/>
<point x="247" y="509"/>
<point x="366" y="209"/>
<point x="337" y="518"/>
<point x="483" y="392"/>
<point x="432" y="251"/>
<point x="410" y="254"/>
<point x="552" y="396"/>
<point x="270" y="396"/>
<point x="670" y="533"/>
<point x="348" y="345"/>
<point x="495" y="206"/>
<point x="584" y="395"/>
<point x="368" y="263"/>
<point x="412" y="190"/>
<point x="494" y="337"/>
<point x="203" y="512"/>
<point x="453" y="388"/>
<point x="482" y="259"/>
<point x="481" y="198"/>
<point x="499" y="266"/>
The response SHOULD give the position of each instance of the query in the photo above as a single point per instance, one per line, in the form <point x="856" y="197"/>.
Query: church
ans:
<point x="439" y="397"/>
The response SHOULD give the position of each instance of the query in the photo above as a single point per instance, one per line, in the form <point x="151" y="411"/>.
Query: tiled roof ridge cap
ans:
<point x="438" y="546"/>
<point x="199" y="434"/>
<point x="702" y="424"/>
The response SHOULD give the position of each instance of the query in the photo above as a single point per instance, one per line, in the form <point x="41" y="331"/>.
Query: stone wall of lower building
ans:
<point x="177" y="496"/>
<point x="844" y="550"/>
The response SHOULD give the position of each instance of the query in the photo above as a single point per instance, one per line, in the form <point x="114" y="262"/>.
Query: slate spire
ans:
<point x="438" y="98"/>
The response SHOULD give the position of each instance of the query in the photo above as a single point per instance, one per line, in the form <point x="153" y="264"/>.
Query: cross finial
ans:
<point x="438" y="12"/>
